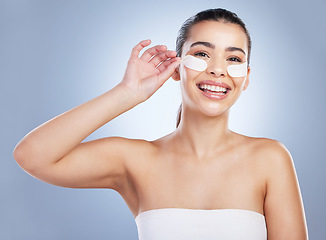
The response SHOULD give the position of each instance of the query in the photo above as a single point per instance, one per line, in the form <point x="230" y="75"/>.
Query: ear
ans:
<point x="176" y="74"/>
<point x="247" y="80"/>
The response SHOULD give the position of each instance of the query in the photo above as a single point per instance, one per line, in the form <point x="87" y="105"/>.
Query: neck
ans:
<point x="199" y="134"/>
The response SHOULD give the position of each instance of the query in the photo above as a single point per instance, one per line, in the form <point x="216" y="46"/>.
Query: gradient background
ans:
<point x="58" y="54"/>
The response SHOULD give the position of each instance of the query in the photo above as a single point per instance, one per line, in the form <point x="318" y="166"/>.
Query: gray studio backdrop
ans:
<point x="58" y="54"/>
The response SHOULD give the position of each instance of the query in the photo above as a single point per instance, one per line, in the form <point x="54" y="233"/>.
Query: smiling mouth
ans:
<point x="213" y="89"/>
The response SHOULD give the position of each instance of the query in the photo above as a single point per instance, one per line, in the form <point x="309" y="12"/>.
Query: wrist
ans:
<point x="128" y="94"/>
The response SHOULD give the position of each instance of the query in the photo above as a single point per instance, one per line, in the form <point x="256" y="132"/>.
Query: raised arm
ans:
<point x="53" y="152"/>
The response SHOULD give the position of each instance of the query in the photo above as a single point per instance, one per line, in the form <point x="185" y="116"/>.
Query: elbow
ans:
<point x="25" y="155"/>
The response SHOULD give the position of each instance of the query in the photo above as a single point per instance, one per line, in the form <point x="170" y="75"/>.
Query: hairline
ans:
<point x="222" y="20"/>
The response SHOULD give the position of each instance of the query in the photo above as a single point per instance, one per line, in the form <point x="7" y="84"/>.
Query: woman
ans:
<point x="201" y="181"/>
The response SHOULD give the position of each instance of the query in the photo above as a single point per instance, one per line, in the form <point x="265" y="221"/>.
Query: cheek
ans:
<point x="187" y="84"/>
<point x="240" y="81"/>
<point x="191" y="67"/>
<point x="187" y="74"/>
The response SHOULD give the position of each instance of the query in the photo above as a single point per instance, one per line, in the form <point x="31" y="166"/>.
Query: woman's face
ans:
<point x="220" y="45"/>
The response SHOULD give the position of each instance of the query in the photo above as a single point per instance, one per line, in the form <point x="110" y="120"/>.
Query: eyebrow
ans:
<point x="206" y="44"/>
<point x="211" y="45"/>
<point x="233" y="49"/>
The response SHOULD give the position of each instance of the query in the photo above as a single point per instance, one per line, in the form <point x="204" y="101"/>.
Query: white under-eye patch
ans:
<point x="239" y="70"/>
<point x="197" y="64"/>
<point x="194" y="63"/>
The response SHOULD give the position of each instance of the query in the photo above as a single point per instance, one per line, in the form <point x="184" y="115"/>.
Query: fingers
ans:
<point x="163" y="56"/>
<point x="164" y="65"/>
<point x="136" y="50"/>
<point x="165" y="61"/>
<point x="157" y="54"/>
<point x="154" y="55"/>
<point x="167" y="68"/>
<point x="149" y="53"/>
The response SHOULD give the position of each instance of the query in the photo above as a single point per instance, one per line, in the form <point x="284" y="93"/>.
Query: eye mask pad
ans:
<point x="194" y="63"/>
<point x="239" y="70"/>
<point x="197" y="64"/>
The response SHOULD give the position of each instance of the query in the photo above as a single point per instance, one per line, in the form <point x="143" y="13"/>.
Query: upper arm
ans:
<point x="94" y="164"/>
<point x="283" y="207"/>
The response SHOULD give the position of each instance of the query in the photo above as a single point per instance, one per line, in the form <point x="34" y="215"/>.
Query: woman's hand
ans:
<point x="146" y="74"/>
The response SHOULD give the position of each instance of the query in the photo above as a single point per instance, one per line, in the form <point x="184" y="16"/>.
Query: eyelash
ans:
<point x="201" y="54"/>
<point x="232" y="59"/>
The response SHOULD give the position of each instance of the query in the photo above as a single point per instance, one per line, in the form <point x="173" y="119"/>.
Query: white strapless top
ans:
<point x="199" y="224"/>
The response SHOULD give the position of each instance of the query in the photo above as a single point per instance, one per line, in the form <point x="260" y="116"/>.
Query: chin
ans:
<point x="215" y="111"/>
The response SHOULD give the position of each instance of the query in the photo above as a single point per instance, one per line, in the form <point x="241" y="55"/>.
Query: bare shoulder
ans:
<point x="129" y="146"/>
<point x="263" y="144"/>
<point x="136" y="152"/>
<point x="271" y="155"/>
<point x="268" y="150"/>
<point x="132" y="147"/>
<point x="129" y="143"/>
<point x="274" y="155"/>
<point x="132" y="151"/>
<point x="283" y="205"/>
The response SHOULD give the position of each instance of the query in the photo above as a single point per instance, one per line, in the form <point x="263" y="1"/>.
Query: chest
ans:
<point x="231" y="181"/>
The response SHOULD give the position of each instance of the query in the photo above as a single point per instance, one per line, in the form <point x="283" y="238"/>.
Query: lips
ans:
<point x="213" y="89"/>
<point x="214" y="83"/>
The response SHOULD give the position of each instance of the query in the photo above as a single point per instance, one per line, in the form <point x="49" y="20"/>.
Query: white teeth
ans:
<point x="212" y="88"/>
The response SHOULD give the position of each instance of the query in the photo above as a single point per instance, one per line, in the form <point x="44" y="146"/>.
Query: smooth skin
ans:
<point x="201" y="165"/>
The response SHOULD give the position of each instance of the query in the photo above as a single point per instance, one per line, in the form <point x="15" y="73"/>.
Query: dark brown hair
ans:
<point x="219" y="15"/>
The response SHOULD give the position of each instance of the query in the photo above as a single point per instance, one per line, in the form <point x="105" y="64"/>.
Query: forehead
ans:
<point x="222" y="35"/>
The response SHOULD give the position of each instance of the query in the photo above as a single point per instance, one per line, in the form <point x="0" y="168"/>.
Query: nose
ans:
<point x="217" y="68"/>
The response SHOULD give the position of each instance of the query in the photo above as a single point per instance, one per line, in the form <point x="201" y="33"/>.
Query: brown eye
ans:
<point x="201" y="54"/>
<point x="234" y="59"/>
